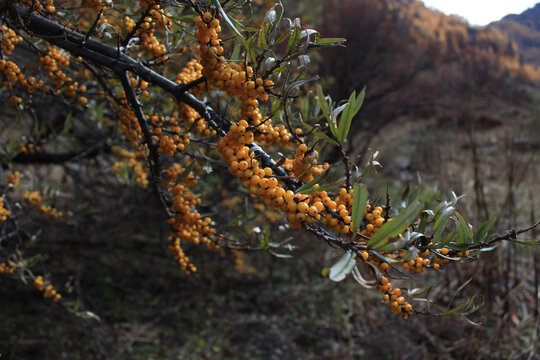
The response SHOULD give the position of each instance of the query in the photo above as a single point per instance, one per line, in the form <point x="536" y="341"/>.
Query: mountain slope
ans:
<point x="524" y="29"/>
<point x="418" y="62"/>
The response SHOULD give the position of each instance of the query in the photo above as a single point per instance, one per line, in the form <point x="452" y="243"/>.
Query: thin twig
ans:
<point x="510" y="235"/>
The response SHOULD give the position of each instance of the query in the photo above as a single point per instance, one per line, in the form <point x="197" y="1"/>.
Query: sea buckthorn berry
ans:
<point x="302" y="207"/>
<point x="444" y="251"/>
<point x="207" y="17"/>
<point x="312" y="211"/>
<point x="319" y="206"/>
<point x="243" y="165"/>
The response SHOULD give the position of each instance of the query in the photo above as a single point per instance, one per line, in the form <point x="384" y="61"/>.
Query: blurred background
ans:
<point x="453" y="104"/>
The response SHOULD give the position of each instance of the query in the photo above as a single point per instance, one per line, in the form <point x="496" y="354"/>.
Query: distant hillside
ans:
<point x="524" y="29"/>
<point x="419" y="62"/>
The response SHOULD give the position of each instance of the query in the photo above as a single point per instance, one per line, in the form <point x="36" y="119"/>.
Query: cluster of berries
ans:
<point x="48" y="289"/>
<point x="7" y="268"/>
<point x="4" y="213"/>
<point x="53" y="62"/>
<point x="147" y="40"/>
<point x="186" y="223"/>
<point x="237" y="80"/>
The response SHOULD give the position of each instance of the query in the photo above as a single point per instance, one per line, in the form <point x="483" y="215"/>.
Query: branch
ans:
<point x="510" y="235"/>
<point x="108" y="56"/>
<point x="154" y="162"/>
<point x="331" y="239"/>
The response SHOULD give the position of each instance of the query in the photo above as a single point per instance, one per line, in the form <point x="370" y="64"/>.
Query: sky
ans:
<point x="481" y="12"/>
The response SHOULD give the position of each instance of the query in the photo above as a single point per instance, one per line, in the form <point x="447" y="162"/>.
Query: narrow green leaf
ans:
<point x="322" y="102"/>
<point x="185" y="173"/>
<point x="400" y="243"/>
<point x="453" y="311"/>
<point x="423" y="222"/>
<point x="485" y="231"/>
<point x="441" y="223"/>
<point x="294" y="39"/>
<point x="261" y="37"/>
<point x="230" y="23"/>
<point x="88" y="315"/>
<point x="352" y="108"/>
<point x="458" y="290"/>
<point x="250" y="47"/>
<point x="266" y="239"/>
<point x="67" y="123"/>
<point x="359" y="205"/>
<point x="319" y="134"/>
<point x="449" y="238"/>
<point x="463" y="231"/>
<point x="525" y="242"/>
<point x="299" y="83"/>
<point x="314" y="190"/>
<point x="393" y="228"/>
<point x="322" y="42"/>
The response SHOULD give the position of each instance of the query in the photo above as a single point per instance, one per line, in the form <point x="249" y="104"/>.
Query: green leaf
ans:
<point x="454" y="311"/>
<point x="266" y="239"/>
<point x="359" y="205"/>
<point x="322" y="102"/>
<point x="407" y="239"/>
<point x="525" y="242"/>
<point x="343" y="267"/>
<point x="463" y="230"/>
<point x="230" y="23"/>
<point x="250" y="46"/>
<point x="350" y="111"/>
<point x="485" y="231"/>
<point x="267" y="28"/>
<point x="236" y="56"/>
<point x="440" y="224"/>
<point x="319" y="134"/>
<point x="458" y="290"/>
<point x="325" y="42"/>
<point x="294" y="39"/>
<point x="423" y="222"/>
<point x="185" y="173"/>
<point x="309" y="189"/>
<point x="449" y="238"/>
<point x="465" y="308"/>
<point x="67" y="123"/>
<point x="87" y="315"/>
<point x="393" y="228"/>
<point x="299" y="83"/>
